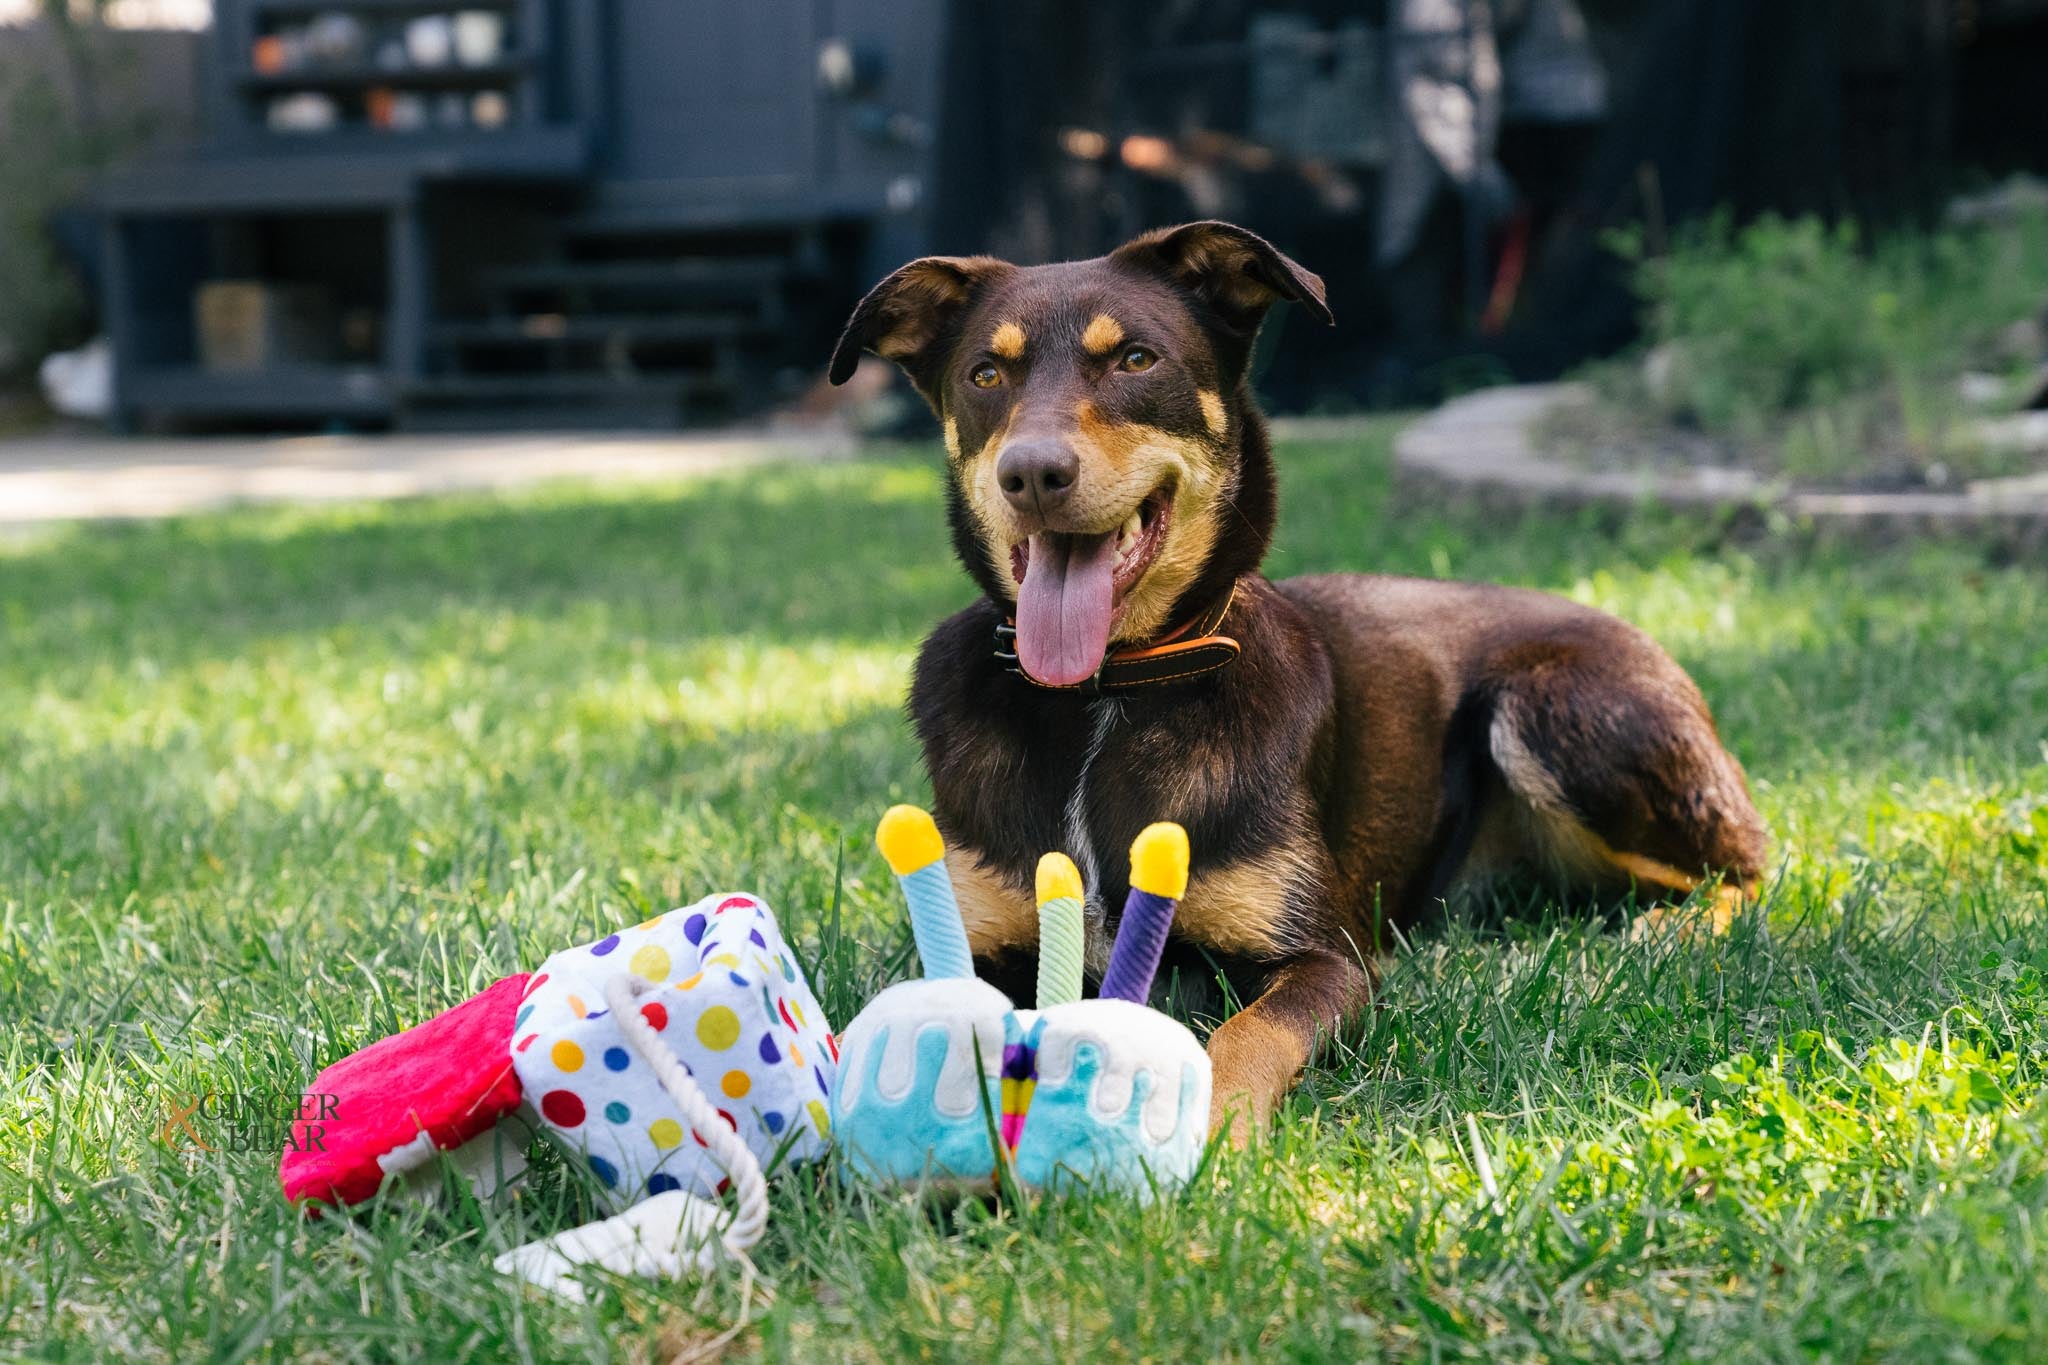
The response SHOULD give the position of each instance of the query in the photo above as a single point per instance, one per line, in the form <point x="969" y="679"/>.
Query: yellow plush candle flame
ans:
<point x="1058" y="878"/>
<point x="1159" y="860"/>
<point x="908" y="839"/>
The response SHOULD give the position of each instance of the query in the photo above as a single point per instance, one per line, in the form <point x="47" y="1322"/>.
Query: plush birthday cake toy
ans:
<point x="943" y="1081"/>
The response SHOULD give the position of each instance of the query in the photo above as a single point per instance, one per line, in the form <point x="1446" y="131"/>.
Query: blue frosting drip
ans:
<point x="1065" y="1141"/>
<point x="908" y="1140"/>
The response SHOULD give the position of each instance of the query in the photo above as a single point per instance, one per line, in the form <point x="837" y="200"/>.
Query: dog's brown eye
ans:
<point x="1138" y="359"/>
<point x="986" y="376"/>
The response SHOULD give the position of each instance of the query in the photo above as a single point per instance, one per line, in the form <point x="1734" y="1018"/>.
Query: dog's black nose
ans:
<point x="1036" y="476"/>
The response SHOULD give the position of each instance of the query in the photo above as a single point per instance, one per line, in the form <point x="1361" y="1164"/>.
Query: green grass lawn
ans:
<point x="276" y="783"/>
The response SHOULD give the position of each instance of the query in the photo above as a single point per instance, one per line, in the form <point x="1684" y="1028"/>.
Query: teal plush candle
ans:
<point x="910" y="842"/>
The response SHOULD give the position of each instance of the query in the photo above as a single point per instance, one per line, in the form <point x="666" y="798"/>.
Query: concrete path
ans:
<point x="68" y="477"/>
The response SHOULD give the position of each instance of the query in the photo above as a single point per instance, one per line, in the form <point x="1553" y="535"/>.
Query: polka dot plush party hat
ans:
<point x="674" y="1061"/>
<point x="944" y="1082"/>
<point x="722" y="994"/>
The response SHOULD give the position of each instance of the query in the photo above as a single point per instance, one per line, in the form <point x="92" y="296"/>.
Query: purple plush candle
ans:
<point x="1159" y="877"/>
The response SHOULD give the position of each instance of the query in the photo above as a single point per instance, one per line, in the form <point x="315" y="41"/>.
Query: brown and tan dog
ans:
<point x="1343" y="749"/>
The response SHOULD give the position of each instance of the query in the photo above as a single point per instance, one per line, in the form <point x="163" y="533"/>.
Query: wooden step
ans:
<point x="748" y="273"/>
<point x="563" y="400"/>
<point x="625" y="212"/>
<point x="541" y="329"/>
<point x="569" y="385"/>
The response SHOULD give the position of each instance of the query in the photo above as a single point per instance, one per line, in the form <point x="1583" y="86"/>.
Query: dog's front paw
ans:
<point x="1249" y="1081"/>
<point x="1692" y="920"/>
<point x="1240" y="1117"/>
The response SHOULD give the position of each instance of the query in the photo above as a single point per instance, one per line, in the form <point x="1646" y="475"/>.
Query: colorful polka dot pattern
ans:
<point x="735" y="1008"/>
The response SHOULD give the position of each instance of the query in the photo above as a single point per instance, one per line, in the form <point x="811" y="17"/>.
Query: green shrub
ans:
<point x="72" y="104"/>
<point x="1825" y="349"/>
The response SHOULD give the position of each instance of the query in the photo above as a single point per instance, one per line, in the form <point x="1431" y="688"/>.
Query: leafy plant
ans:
<point x="1828" y="351"/>
<point x="67" y="120"/>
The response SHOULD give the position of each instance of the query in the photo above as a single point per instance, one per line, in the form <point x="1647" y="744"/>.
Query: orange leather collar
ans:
<point x="1187" y="651"/>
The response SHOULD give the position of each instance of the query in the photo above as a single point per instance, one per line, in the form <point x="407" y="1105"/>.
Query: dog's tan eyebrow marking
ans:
<point x="1213" y="414"/>
<point x="1104" y="335"/>
<point x="1008" y="341"/>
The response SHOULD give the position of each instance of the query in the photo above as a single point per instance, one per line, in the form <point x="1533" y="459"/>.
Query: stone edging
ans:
<point x="1481" y="444"/>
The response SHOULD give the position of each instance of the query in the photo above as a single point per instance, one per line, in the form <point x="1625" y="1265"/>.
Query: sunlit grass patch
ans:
<point x="277" y="782"/>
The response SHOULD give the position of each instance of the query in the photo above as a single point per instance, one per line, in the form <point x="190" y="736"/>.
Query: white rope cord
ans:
<point x="750" y="1186"/>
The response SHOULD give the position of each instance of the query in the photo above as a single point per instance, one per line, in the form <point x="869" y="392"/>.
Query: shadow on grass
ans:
<point x="790" y="553"/>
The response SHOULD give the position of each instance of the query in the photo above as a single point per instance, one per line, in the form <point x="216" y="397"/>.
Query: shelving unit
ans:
<point x="312" y="8"/>
<point x="640" y="239"/>
<point x="360" y="60"/>
<point x="498" y="74"/>
<point x="353" y="211"/>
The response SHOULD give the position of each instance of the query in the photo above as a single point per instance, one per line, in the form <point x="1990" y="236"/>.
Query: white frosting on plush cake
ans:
<point x="964" y="1009"/>
<point x="1130" y="1039"/>
<point x="909" y="1103"/>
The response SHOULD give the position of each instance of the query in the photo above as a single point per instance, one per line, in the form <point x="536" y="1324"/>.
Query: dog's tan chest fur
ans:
<point x="1238" y="909"/>
<point x="998" y="913"/>
<point x="1235" y="909"/>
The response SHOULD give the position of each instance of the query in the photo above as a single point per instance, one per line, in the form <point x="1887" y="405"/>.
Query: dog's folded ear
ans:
<point x="912" y="315"/>
<point x="1239" y="274"/>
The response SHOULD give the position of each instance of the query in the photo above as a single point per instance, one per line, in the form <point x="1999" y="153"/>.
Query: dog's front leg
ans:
<point x="1257" y="1053"/>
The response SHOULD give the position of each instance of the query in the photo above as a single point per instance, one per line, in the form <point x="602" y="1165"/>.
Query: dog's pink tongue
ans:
<point x="1063" y="606"/>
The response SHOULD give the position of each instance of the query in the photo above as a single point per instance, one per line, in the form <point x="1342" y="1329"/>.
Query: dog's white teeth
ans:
<point x="1127" y="537"/>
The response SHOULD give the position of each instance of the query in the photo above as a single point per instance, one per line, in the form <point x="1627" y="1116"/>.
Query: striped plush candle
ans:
<point x="1020" y="1082"/>
<point x="1059" y="931"/>
<point x="910" y="842"/>
<point x="1159" y="877"/>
